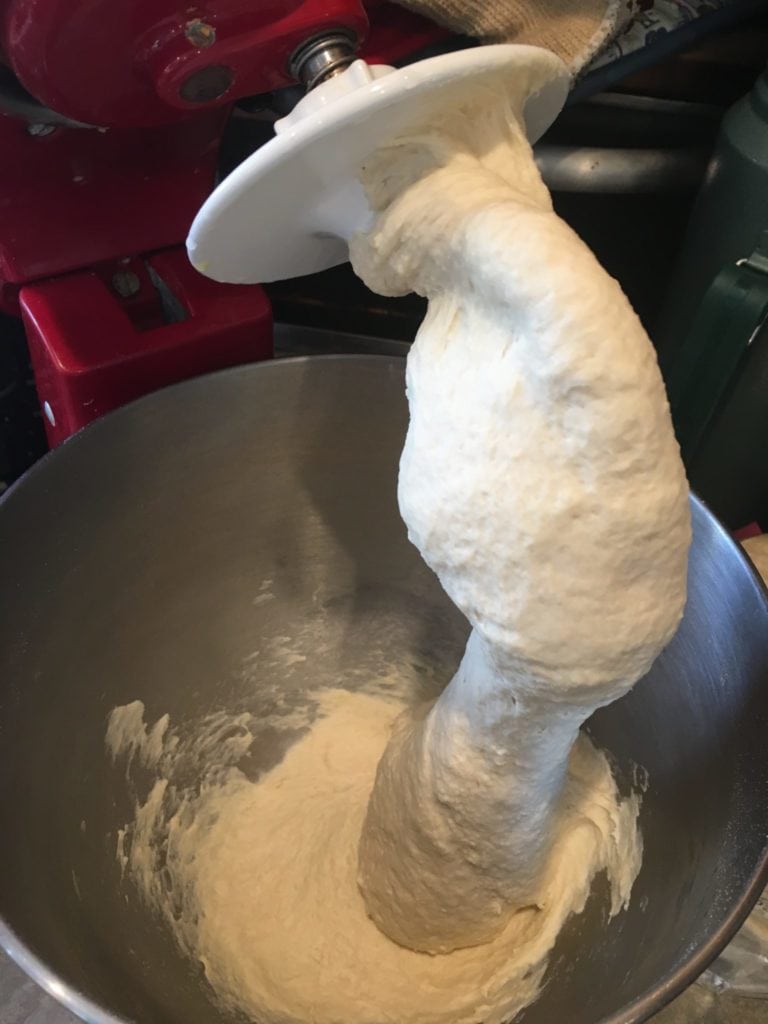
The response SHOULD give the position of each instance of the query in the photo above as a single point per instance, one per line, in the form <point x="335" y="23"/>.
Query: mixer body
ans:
<point x="112" y="115"/>
<point x="121" y="63"/>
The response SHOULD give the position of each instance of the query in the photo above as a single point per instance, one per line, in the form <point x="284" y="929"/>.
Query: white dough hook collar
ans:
<point x="290" y="208"/>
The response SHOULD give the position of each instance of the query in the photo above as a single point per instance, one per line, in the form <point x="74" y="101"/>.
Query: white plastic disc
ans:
<point x="290" y="207"/>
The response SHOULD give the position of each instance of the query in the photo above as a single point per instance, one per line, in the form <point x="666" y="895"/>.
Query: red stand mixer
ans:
<point x="111" y="115"/>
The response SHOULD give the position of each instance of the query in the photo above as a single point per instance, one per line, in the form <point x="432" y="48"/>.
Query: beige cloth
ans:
<point x="574" y="29"/>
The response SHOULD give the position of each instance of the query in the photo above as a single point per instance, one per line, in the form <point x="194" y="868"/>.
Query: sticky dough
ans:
<point x="542" y="482"/>
<point x="416" y="866"/>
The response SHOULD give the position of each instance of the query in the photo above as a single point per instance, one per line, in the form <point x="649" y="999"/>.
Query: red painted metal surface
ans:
<point x="92" y="352"/>
<point x="396" y="33"/>
<point x="124" y="62"/>
<point x="76" y="197"/>
<point x="78" y="205"/>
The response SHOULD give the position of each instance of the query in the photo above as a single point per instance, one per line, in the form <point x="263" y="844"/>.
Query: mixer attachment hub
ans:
<point x="292" y="206"/>
<point x="322" y="57"/>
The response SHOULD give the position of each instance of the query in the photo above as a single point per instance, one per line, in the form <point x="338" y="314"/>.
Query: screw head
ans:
<point x="200" y="34"/>
<point x="39" y="130"/>
<point x="126" y="284"/>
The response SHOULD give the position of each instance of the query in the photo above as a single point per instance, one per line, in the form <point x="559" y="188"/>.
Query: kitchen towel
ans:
<point x="574" y="29"/>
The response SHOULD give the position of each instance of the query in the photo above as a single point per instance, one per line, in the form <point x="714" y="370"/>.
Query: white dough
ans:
<point x="542" y="482"/>
<point x="263" y="889"/>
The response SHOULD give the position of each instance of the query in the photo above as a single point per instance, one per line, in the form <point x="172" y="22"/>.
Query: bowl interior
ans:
<point x="136" y="560"/>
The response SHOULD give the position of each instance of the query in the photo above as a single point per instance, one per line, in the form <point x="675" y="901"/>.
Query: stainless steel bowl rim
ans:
<point x="641" y="1009"/>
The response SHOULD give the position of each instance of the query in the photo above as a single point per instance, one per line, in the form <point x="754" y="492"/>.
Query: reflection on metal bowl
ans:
<point x="133" y="559"/>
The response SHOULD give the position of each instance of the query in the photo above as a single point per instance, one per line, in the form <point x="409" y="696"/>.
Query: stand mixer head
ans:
<point x="111" y="117"/>
<point x="120" y="63"/>
<point x="292" y="206"/>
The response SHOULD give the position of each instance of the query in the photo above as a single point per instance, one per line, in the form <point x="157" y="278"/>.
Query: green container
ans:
<point x="729" y="216"/>
<point x="713" y="344"/>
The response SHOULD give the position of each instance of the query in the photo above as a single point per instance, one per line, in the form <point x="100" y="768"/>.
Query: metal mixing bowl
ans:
<point x="134" y="563"/>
